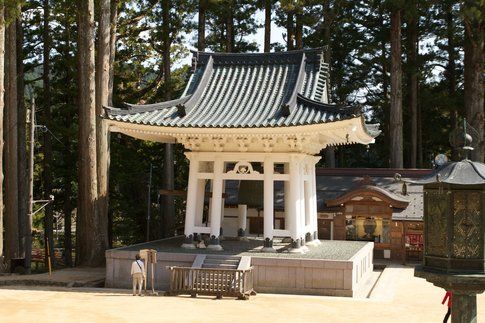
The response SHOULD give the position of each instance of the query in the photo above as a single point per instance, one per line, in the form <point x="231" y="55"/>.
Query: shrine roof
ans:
<point x="234" y="90"/>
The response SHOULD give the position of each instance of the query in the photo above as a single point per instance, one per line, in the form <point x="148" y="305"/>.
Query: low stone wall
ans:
<point x="314" y="276"/>
<point x="271" y="275"/>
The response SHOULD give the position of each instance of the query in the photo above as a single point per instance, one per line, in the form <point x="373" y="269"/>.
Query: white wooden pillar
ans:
<point x="287" y="197"/>
<point x="216" y="205"/>
<point x="302" y="202"/>
<point x="199" y="209"/>
<point x="308" y="210"/>
<point x="268" y="205"/>
<point x="314" y="200"/>
<point x="242" y="210"/>
<point x="191" y="201"/>
<point x="223" y="201"/>
<point x="294" y="204"/>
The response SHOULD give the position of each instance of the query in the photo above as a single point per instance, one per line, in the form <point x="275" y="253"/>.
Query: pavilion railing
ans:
<point x="211" y="281"/>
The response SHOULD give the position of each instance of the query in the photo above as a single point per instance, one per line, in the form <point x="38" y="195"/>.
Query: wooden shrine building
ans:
<point x="251" y="117"/>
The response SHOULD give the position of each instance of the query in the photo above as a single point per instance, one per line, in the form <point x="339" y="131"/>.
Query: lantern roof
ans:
<point x="465" y="172"/>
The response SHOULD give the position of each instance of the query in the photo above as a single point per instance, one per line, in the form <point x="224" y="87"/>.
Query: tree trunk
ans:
<point x="385" y="84"/>
<point x="112" y="48"/>
<point x="473" y="82"/>
<point x="328" y="16"/>
<point x="90" y="250"/>
<point x="267" y="26"/>
<point x="451" y="72"/>
<point x="47" y="145"/>
<point x="68" y="207"/>
<point x="201" y="25"/>
<point x="168" y="183"/>
<point x="299" y="30"/>
<point x="102" y="135"/>
<point x="68" y="224"/>
<point x="230" y="28"/>
<point x="413" y="80"/>
<point x="2" y="104"/>
<point x="290" y="35"/>
<point x="24" y="226"/>
<point x="396" y="152"/>
<point x="11" y="138"/>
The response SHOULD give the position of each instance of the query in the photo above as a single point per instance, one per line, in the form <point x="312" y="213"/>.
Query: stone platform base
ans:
<point x="273" y="272"/>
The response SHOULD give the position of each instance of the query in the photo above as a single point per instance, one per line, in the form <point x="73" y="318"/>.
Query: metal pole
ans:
<point x="149" y="202"/>
<point x="28" y="236"/>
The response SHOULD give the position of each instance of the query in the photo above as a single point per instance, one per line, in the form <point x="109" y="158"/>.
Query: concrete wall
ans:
<point x="118" y="267"/>
<point x="271" y="275"/>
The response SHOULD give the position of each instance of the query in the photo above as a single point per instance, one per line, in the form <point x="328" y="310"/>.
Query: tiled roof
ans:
<point x="247" y="90"/>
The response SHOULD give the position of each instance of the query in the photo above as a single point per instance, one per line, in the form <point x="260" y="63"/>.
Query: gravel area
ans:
<point x="328" y="249"/>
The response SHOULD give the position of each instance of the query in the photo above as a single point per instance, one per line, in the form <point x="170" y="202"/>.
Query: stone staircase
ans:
<point x="222" y="262"/>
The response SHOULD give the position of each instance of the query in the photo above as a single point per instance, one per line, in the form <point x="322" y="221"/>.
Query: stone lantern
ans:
<point x="454" y="236"/>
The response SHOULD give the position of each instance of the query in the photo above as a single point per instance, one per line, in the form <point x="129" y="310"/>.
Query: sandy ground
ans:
<point x="398" y="297"/>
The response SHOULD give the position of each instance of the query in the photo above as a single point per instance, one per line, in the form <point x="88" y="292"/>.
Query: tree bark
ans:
<point x="102" y="134"/>
<point x="90" y="250"/>
<point x="11" y="138"/>
<point x="168" y="170"/>
<point x="112" y="48"/>
<point x="396" y="146"/>
<point x="267" y="26"/>
<point x="290" y="34"/>
<point x="230" y="27"/>
<point x="201" y="25"/>
<point x="413" y="79"/>
<point x="47" y="145"/>
<point x="451" y="71"/>
<point x="2" y="105"/>
<point x="473" y="82"/>
<point x="24" y="231"/>
<point x="67" y="208"/>
<point x="69" y="102"/>
<point x="328" y="18"/>
<point x="299" y="29"/>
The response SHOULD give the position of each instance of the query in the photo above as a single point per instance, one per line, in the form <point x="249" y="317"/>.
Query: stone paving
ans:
<point x="328" y="249"/>
<point x="67" y="277"/>
<point x="398" y="297"/>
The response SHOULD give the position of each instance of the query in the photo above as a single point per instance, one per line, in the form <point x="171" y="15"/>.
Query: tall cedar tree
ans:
<point x="102" y="135"/>
<point x="473" y="12"/>
<point x="267" y="25"/>
<point x="201" y="25"/>
<point x="412" y="71"/>
<point x="47" y="144"/>
<point x="11" y="138"/>
<point x="168" y="170"/>
<point x="89" y="247"/>
<point x="24" y="223"/>
<point x="2" y="104"/>
<point x="396" y="126"/>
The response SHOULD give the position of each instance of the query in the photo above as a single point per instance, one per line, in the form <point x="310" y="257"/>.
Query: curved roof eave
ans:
<point x="370" y="190"/>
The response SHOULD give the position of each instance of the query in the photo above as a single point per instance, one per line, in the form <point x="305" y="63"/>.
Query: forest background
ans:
<point x="414" y="66"/>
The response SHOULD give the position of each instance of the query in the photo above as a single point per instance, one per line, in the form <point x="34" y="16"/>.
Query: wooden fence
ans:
<point x="211" y="281"/>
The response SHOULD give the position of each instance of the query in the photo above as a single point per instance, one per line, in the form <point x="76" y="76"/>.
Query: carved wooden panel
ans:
<point x="437" y="236"/>
<point x="467" y="239"/>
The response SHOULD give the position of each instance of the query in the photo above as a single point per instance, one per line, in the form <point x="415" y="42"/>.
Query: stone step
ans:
<point x="221" y="261"/>
<point x="221" y="266"/>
